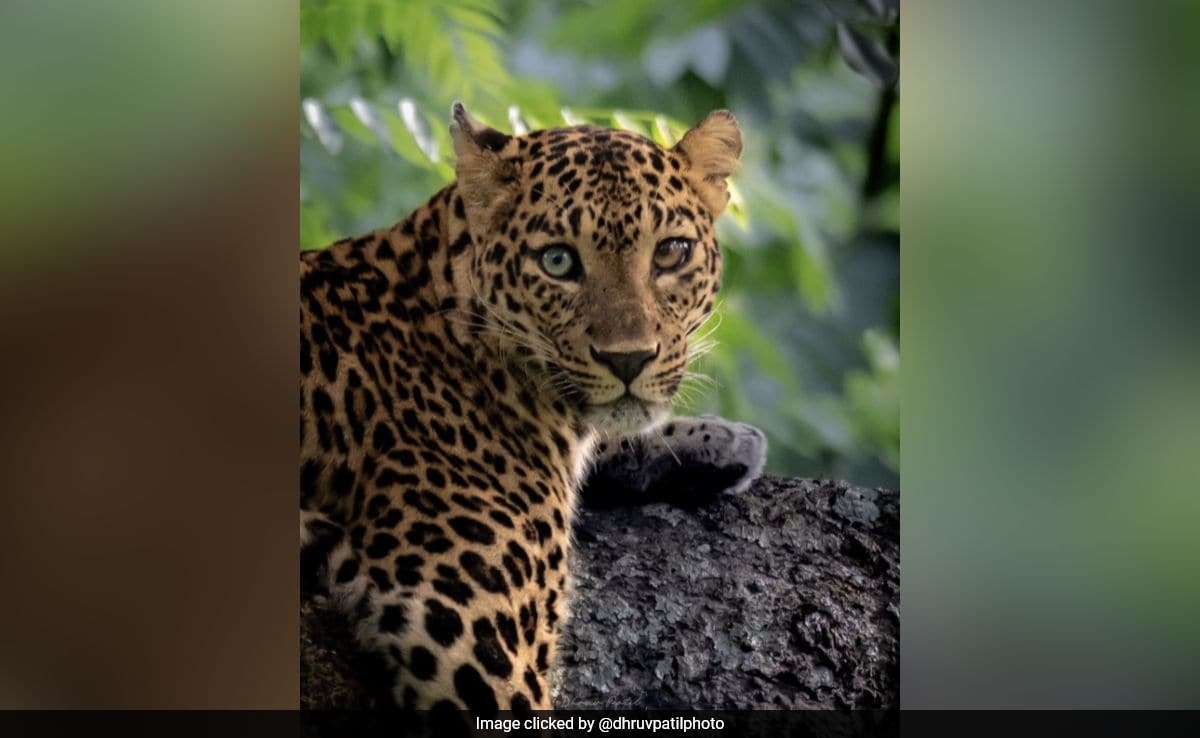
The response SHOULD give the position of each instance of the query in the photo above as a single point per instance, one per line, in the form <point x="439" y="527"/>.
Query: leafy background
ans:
<point x="808" y="323"/>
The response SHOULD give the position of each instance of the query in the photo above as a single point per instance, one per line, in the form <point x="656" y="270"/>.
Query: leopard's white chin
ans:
<point x="626" y="417"/>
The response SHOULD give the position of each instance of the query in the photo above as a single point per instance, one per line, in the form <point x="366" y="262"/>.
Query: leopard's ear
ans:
<point x="711" y="151"/>
<point x="487" y="183"/>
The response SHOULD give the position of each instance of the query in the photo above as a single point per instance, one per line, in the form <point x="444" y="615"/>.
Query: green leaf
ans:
<point x="403" y="142"/>
<point x="866" y="55"/>
<point x="314" y="233"/>
<point x="624" y="122"/>
<point x="810" y="267"/>
<point x="393" y="20"/>
<point x="873" y="398"/>
<point x="342" y="24"/>
<point x="349" y="123"/>
<point x="736" y="332"/>
<point x="737" y="206"/>
<point x="625" y="27"/>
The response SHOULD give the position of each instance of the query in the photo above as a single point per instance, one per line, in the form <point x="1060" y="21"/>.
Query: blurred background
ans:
<point x="1051" y="389"/>
<point x="808" y="323"/>
<point x="1051" y="395"/>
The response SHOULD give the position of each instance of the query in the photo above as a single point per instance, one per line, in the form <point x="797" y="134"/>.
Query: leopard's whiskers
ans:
<point x="663" y="438"/>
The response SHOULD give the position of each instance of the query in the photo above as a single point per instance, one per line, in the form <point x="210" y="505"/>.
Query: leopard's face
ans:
<point x="596" y="269"/>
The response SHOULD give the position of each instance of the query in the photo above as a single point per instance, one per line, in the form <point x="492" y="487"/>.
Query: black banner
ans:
<point x="570" y="723"/>
<point x="767" y="724"/>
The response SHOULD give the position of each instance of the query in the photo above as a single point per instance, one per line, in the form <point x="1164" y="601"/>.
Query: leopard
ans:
<point x="470" y="373"/>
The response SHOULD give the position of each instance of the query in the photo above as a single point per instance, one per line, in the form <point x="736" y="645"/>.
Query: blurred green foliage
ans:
<point x="808" y="322"/>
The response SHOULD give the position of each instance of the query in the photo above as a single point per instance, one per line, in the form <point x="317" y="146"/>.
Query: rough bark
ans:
<point x="786" y="596"/>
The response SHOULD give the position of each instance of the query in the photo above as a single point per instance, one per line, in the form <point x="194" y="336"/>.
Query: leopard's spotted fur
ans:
<point x="452" y="389"/>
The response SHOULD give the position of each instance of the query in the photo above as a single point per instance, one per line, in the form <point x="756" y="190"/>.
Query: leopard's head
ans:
<point x="594" y="256"/>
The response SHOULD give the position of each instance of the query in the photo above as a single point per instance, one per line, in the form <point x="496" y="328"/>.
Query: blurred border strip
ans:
<point x="147" y="306"/>
<point x="1052" y="382"/>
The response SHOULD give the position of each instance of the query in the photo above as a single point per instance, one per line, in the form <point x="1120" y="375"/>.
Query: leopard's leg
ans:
<point x="329" y="566"/>
<point x="410" y="638"/>
<point x="686" y="462"/>
<point x="319" y="538"/>
<point x="331" y="573"/>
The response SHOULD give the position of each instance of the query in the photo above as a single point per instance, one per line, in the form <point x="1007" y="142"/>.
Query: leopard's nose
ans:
<point x="625" y="365"/>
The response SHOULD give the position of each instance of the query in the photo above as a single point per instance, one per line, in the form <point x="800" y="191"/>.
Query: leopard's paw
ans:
<point x="687" y="461"/>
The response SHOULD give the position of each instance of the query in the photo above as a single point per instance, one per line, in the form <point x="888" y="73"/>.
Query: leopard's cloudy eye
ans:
<point x="561" y="262"/>
<point x="671" y="254"/>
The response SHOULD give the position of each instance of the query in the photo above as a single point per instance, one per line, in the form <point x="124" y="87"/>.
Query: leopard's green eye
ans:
<point x="561" y="262"/>
<point x="671" y="254"/>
